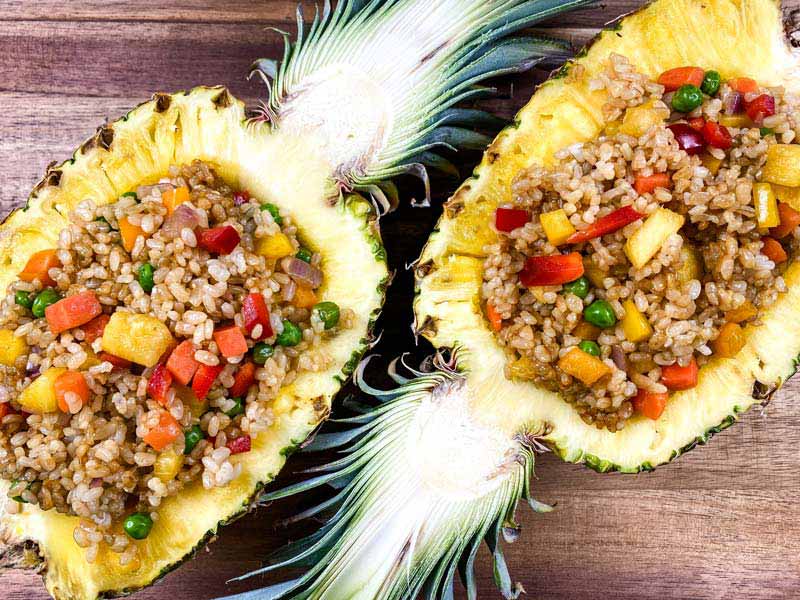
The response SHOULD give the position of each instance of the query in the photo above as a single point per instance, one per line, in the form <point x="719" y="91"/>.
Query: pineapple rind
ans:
<point x="209" y="124"/>
<point x="564" y="111"/>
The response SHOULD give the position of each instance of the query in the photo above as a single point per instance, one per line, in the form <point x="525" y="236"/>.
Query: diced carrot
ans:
<point x="676" y="377"/>
<point x="129" y="233"/>
<point x="675" y="78"/>
<point x="159" y="383"/>
<point x="39" y="265"/>
<point x="650" y="404"/>
<point x="71" y="381"/>
<point x="255" y="312"/>
<point x="163" y="434"/>
<point x="773" y="250"/>
<point x="742" y="313"/>
<point x="204" y="379"/>
<point x="730" y="340"/>
<point x="230" y="341"/>
<point x="583" y="366"/>
<point x="72" y="311"/>
<point x="495" y="320"/>
<point x="174" y="197"/>
<point x="646" y="184"/>
<point x="181" y="362"/>
<point x="4" y="409"/>
<point x="94" y="328"/>
<point x="304" y="297"/>
<point x="743" y="85"/>
<point x="790" y="219"/>
<point x="244" y="378"/>
<point x="117" y="361"/>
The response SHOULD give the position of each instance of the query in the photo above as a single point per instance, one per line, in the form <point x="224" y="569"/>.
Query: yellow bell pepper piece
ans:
<point x="556" y="226"/>
<point x="593" y="273"/>
<point x="640" y="118"/>
<point x="738" y="121"/>
<point x="138" y="338"/>
<point x="304" y="297"/>
<point x="167" y="465"/>
<point x="742" y="313"/>
<point x="274" y="246"/>
<point x="586" y="331"/>
<point x="766" y="206"/>
<point x="691" y="264"/>
<point x="635" y="325"/>
<point x="11" y="347"/>
<point x="522" y="368"/>
<point x="583" y="366"/>
<point x="711" y="163"/>
<point x="646" y="241"/>
<point x="129" y="233"/>
<point x="783" y="165"/>
<point x="40" y="396"/>
<point x="174" y="197"/>
<point x="788" y="195"/>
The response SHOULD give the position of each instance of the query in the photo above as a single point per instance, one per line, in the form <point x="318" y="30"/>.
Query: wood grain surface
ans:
<point x="719" y="523"/>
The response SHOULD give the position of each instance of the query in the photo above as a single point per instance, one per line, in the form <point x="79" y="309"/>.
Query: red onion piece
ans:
<point x="184" y="216"/>
<point x="733" y="103"/>
<point x="302" y="272"/>
<point x="618" y="356"/>
<point x="689" y="140"/>
<point x="242" y="197"/>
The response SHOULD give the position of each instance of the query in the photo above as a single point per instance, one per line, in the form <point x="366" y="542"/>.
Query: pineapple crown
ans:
<point x="376" y="82"/>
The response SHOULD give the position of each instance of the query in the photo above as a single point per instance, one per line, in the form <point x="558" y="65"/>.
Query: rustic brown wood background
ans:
<point x="719" y="523"/>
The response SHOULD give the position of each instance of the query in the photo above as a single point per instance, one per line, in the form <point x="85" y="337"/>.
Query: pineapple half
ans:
<point x="441" y="463"/>
<point x="363" y="95"/>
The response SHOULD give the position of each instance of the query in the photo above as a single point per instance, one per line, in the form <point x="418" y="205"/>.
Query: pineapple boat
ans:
<point x="184" y="297"/>
<point x="617" y="281"/>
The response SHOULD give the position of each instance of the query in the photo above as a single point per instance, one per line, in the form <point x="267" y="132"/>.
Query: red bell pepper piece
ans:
<point x="650" y="404"/>
<point x="159" y="384"/>
<point x="717" y="135"/>
<point x="608" y="224"/>
<point x="676" y="377"/>
<point x="204" y="378"/>
<point x="72" y="311"/>
<point x="244" y="378"/>
<point x="675" y="78"/>
<point x="509" y="219"/>
<point x="94" y="329"/>
<point x="255" y="312"/>
<point x="790" y="219"/>
<point x="773" y="250"/>
<point x="181" y="362"/>
<point x="230" y="341"/>
<point x="218" y="240"/>
<point x="117" y="361"/>
<point x="689" y="140"/>
<point x="762" y="106"/>
<point x="551" y="270"/>
<point x="239" y="444"/>
<point x="645" y="184"/>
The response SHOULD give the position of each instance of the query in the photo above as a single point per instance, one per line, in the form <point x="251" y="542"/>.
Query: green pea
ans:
<point x="328" y="313"/>
<point x="290" y="336"/>
<point x="579" y="287"/>
<point x="600" y="313"/>
<point x="590" y="347"/>
<point x="765" y="131"/>
<point x="687" y="98"/>
<point x="192" y="437"/>
<point x="138" y="525"/>
<point x="23" y="299"/>
<point x="261" y="352"/>
<point x="304" y="254"/>
<point x="146" y="277"/>
<point x="130" y="195"/>
<point x="711" y="82"/>
<point x="44" y="299"/>
<point x="274" y="211"/>
<point x="238" y="408"/>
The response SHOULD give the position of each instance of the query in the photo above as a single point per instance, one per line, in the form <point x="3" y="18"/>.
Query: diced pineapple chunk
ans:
<point x="766" y="206"/>
<point x="556" y="226"/>
<point x="646" y="241"/>
<point x="783" y="165"/>
<point x="586" y="331"/>
<point x="742" y="313"/>
<point x="275" y="246"/>
<point x="635" y="325"/>
<point x="196" y="406"/>
<point x="639" y="119"/>
<point x="167" y="465"/>
<point x="593" y="273"/>
<point x="92" y="360"/>
<point x="712" y="163"/>
<point x="788" y="195"/>
<point x="612" y="128"/>
<point x="523" y="368"/>
<point x="141" y="339"/>
<point x="730" y="340"/>
<point x="583" y="366"/>
<point x="691" y="264"/>
<point x="737" y="121"/>
<point x="40" y="396"/>
<point x="11" y="347"/>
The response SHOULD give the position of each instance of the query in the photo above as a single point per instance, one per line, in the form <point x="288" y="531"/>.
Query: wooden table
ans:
<point x="719" y="523"/>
